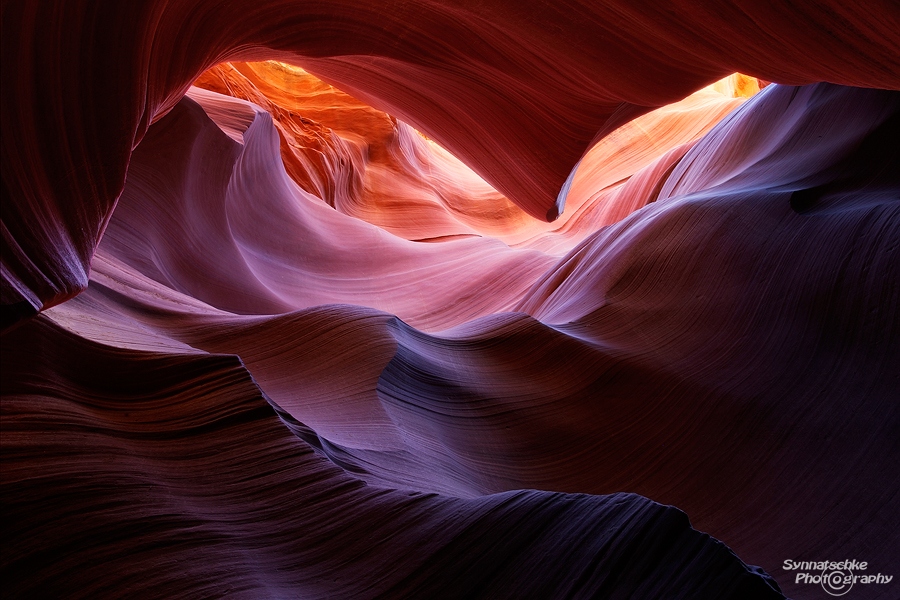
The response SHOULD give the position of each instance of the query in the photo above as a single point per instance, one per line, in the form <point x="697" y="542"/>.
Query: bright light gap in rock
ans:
<point x="369" y="165"/>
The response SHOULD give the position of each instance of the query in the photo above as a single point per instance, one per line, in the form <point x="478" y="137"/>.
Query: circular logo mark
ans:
<point x="837" y="583"/>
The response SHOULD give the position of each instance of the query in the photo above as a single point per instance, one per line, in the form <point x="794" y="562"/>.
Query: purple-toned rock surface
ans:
<point x="263" y="339"/>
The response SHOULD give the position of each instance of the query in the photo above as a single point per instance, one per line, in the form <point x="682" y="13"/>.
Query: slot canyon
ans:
<point x="450" y="299"/>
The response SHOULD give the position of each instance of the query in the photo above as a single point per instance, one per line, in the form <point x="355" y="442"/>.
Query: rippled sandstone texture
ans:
<point x="320" y="357"/>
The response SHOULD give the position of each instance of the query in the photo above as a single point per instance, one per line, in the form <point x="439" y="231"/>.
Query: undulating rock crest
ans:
<point x="517" y="90"/>
<point x="327" y="351"/>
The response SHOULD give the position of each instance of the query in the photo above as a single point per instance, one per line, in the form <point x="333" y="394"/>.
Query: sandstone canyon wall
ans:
<point x="448" y="299"/>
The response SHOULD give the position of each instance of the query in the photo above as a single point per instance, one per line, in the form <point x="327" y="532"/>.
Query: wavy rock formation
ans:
<point x="150" y="495"/>
<point x="289" y="346"/>
<point x="519" y="91"/>
<point x="371" y="166"/>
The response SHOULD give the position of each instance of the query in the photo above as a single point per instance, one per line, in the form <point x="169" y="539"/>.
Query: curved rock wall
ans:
<point x="291" y="345"/>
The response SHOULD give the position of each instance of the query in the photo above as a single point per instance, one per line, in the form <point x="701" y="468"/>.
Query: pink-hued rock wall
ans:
<point x="448" y="299"/>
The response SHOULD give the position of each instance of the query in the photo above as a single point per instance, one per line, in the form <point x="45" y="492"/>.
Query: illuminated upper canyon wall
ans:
<point x="368" y="165"/>
<point x="323" y="355"/>
<point x="516" y="90"/>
